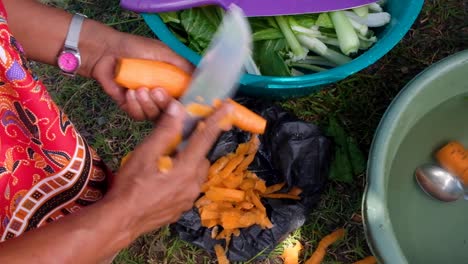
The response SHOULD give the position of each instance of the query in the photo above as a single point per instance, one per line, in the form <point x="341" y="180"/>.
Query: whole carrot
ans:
<point x="454" y="158"/>
<point x="136" y="73"/>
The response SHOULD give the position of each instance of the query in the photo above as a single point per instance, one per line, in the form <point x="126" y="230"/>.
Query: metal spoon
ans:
<point x="439" y="183"/>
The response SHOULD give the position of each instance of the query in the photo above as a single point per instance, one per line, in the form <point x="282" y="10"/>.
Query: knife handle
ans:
<point x="160" y="6"/>
<point x="134" y="73"/>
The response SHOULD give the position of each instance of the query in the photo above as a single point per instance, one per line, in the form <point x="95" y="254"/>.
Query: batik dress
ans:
<point x="47" y="170"/>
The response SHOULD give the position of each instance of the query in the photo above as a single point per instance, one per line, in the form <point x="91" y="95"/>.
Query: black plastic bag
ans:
<point x="291" y="151"/>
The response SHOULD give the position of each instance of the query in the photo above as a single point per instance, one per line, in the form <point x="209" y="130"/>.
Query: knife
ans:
<point x="219" y="71"/>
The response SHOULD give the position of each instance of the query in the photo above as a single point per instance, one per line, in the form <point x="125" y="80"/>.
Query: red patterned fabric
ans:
<point x="46" y="168"/>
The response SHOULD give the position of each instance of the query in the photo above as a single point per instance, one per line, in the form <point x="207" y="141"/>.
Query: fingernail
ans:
<point x="158" y="95"/>
<point x="131" y="94"/>
<point x="143" y="94"/>
<point x="174" y="108"/>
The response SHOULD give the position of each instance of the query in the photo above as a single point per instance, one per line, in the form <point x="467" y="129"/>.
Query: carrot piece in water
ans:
<point x="221" y="254"/>
<point x="454" y="158"/>
<point x="291" y="253"/>
<point x="367" y="260"/>
<point x="319" y="253"/>
<point x="137" y="73"/>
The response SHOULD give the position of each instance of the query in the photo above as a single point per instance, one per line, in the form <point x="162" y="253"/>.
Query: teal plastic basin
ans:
<point x="402" y="223"/>
<point x="403" y="14"/>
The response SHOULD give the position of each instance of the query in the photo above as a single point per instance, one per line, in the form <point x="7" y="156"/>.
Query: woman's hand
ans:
<point x="140" y="200"/>
<point x="142" y="103"/>
<point x="153" y="198"/>
<point x="42" y="30"/>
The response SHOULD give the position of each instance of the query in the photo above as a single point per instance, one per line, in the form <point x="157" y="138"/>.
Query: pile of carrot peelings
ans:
<point x="231" y="196"/>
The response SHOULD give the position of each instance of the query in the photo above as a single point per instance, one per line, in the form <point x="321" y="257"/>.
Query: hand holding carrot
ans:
<point x="141" y="103"/>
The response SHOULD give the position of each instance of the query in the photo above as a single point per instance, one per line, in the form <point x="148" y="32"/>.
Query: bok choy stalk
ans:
<point x="361" y="11"/>
<point x="307" y="37"/>
<point x="371" y="20"/>
<point x="349" y="41"/>
<point x="298" y="51"/>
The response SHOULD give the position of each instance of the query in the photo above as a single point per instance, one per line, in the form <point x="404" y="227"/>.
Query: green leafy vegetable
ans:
<point x="288" y="45"/>
<point x="348" y="159"/>
<point x="324" y="21"/>
<point x="268" y="53"/>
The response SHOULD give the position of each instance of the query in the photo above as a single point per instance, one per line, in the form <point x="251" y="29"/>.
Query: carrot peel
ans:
<point x="319" y="254"/>
<point x="367" y="260"/>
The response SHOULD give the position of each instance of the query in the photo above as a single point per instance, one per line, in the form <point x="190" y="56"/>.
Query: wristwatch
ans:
<point x="69" y="59"/>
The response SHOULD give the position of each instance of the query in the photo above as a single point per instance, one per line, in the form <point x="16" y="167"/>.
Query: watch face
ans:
<point x="68" y="62"/>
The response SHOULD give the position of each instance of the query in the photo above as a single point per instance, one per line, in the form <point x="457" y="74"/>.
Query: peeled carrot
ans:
<point x="291" y="253"/>
<point x="454" y="158"/>
<point x="319" y="253"/>
<point x="136" y="73"/>
<point x="367" y="260"/>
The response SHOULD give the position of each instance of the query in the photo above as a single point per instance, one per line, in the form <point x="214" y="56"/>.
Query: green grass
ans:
<point x="358" y="101"/>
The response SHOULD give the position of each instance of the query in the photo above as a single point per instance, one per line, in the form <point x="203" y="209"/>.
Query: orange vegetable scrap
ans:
<point x="319" y="253"/>
<point x="247" y="120"/>
<point x="221" y="254"/>
<point x="231" y="197"/>
<point x="165" y="164"/>
<point x="125" y="158"/>
<point x="367" y="260"/>
<point x="134" y="73"/>
<point x="199" y="110"/>
<point x="291" y="253"/>
<point x="454" y="158"/>
<point x="244" y="118"/>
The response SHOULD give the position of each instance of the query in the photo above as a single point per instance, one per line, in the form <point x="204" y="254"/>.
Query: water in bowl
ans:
<point x="429" y="231"/>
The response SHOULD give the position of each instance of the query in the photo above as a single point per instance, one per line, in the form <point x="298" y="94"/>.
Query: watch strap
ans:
<point x="73" y="35"/>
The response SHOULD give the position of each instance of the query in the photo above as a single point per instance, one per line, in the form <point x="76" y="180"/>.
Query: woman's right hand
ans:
<point x="152" y="199"/>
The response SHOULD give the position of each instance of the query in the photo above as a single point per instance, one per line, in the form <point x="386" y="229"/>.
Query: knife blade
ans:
<point x="219" y="71"/>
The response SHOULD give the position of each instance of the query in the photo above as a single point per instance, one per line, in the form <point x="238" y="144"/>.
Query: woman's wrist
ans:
<point x="96" y="40"/>
<point x="119" y="221"/>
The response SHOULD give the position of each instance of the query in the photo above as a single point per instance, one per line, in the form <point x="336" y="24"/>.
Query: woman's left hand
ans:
<point x="143" y="103"/>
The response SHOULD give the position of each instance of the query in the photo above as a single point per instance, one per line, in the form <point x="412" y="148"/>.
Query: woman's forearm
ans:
<point x="89" y="236"/>
<point x="42" y="31"/>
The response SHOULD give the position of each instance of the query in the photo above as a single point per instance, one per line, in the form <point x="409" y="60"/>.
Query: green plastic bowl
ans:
<point x="403" y="14"/>
<point x="402" y="223"/>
